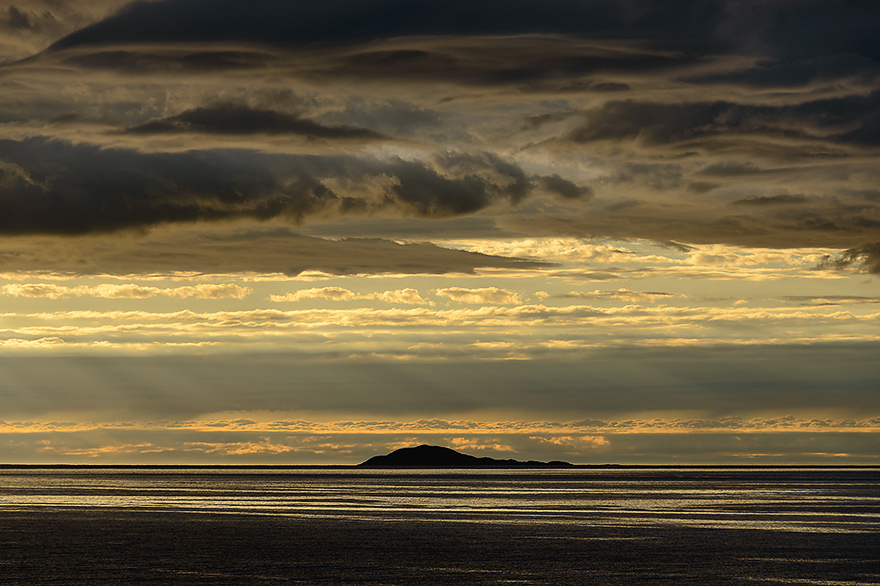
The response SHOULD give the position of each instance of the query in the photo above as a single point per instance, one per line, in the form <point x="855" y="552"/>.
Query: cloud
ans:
<point x="483" y="295"/>
<point x="406" y="296"/>
<point x="867" y="257"/>
<point x="574" y="441"/>
<point x="792" y="73"/>
<point x="31" y="26"/>
<point x="811" y="29"/>
<point x="565" y="188"/>
<point x="574" y="430"/>
<point x="47" y="290"/>
<point x="487" y="331"/>
<point x="535" y="62"/>
<point x="727" y="160"/>
<point x="659" y="124"/>
<point x="831" y="299"/>
<point x="18" y="19"/>
<point x="622" y="293"/>
<point x="557" y="249"/>
<point x="216" y="250"/>
<point x="694" y="123"/>
<point x="401" y="117"/>
<point x="756" y="200"/>
<point x="784" y="30"/>
<point x="329" y="293"/>
<point x="239" y="119"/>
<point x="174" y="59"/>
<point x="126" y="291"/>
<point x="61" y="188"/>
<point x="572" y="316"/>
<point x="152" y="446"/>
<point x="280" y="23"/>
<point x="655" y="124"/>
<point x="824" y="224"/>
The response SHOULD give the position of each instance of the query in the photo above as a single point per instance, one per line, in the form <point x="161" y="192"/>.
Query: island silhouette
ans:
<point x="425" y="456"/>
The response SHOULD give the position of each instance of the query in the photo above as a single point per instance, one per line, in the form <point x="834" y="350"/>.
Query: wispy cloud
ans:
<point x="125" y="291"/>
<point x="622" y="294"/>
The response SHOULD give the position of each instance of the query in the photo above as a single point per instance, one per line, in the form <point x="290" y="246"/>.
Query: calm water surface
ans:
<point x="331" y="526"/>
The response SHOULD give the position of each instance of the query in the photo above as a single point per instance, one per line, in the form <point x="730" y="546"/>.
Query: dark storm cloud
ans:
<point x="503" y="62"/>
<point x="239" y="119"/>
<point x="795" y="38"/>
<point x="29" y="26"/>
<point x="797" y="43"/>
<point x="280" y="22"/>
<point x="769" y="74"/>
<point x="183" y="61"/>
<point x="534" y="62"/>
<point x="791" y="29"/>
<point x="868" y="133"/>
<point x="695" y="146"/>
<point x="658" y="124"/>
<point x="56" y="187"/>
<point x="565" y="188"/>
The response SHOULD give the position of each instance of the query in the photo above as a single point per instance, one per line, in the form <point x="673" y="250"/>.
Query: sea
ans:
<point x="331" y="526"/>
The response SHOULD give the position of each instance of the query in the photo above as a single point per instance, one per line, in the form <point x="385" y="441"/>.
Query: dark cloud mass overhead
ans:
<point x="732" y="121"/>
<point x="353" y="21"/>
<point x="784" y="28"/>
<point x="696" y="77"/>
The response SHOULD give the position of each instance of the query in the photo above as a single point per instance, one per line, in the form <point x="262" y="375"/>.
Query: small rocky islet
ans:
<point x="425" y="456"/>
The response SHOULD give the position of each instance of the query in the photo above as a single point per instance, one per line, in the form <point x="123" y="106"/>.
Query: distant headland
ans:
<point x="425" y="456"/>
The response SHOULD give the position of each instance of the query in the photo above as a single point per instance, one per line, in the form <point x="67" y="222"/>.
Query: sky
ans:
<point x="284" y="232"/>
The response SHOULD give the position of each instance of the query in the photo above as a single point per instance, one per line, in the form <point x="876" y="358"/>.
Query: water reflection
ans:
<point x="333" y="527"/>
<point x="801" y="500"/>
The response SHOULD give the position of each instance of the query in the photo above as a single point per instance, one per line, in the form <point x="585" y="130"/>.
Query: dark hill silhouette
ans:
<point x="440" y="457"/>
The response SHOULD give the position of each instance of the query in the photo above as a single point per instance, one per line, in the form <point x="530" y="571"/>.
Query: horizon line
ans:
<point x="5" y="466"/>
